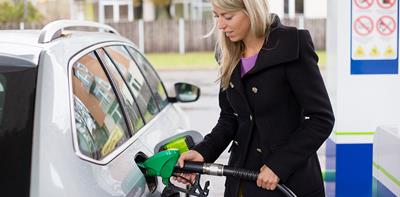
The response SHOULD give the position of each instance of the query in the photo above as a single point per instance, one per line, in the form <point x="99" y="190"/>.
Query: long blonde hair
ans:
<point x="230" y="52"/>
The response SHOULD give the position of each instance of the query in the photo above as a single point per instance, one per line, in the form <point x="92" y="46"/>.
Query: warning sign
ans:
<point x="363" y="4"/>
<point x="386" y="4"/>
<point x="374" y="36"/>
<point x="386" y="25"/>
<point x="363" y="25"/>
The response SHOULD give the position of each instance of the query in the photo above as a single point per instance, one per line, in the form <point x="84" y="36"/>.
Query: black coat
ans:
<point x="278" y="114"/>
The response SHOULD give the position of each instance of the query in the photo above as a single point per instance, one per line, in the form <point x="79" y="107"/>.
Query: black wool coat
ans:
<point x="277" y="114"/>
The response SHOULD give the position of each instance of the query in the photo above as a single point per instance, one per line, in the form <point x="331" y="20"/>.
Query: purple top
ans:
<point x="247" y="64"/>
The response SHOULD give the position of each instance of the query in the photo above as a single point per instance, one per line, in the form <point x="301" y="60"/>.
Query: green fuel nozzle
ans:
<point x="161" y="164"/>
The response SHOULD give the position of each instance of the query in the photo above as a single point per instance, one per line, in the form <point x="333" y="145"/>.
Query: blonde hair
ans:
<point x="260" y="20"/>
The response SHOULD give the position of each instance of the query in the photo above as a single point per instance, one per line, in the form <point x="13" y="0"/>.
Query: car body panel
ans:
<point x="57" y="167"/>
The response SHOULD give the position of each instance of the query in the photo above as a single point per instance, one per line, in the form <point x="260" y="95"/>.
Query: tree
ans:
<point x="14" y="13"/>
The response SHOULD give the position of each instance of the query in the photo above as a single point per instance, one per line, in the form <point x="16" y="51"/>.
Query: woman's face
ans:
<point x="235" y="25"/>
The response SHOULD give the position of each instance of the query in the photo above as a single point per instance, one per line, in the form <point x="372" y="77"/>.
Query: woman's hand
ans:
<point x="190" y="155"/>
<point x="267" y="179"/>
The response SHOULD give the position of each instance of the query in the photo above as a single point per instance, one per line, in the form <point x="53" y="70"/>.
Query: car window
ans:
<point x="99" y="120"/>
<point x="152" y="77"/>
<point x="135" y="80"/>
<point x="132" y="108"/>
<point x="17" y="104"/>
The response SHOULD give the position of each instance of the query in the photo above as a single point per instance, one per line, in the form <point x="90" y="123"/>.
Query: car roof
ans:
<point x="29" y="44"/>
<point x="21" y="44"/>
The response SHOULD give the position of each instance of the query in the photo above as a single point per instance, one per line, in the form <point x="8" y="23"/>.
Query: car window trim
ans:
<point x="119" y="94"/>
<point x="154" y="71"/>
<point x="126" y="83"/>
<point x="110" y="157"/>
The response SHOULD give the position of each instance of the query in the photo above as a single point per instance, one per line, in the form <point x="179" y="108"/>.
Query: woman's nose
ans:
<point x="221" y="24"/>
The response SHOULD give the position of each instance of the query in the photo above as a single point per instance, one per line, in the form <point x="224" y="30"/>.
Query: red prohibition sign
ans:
<point x="363" y="4"/>
<point x="363" y="25"/>
<point x="386" y="25"/>
<point x="386" y="4"/>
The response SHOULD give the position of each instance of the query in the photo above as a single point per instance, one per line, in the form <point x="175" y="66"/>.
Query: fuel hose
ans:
<point x="223" y="170"/>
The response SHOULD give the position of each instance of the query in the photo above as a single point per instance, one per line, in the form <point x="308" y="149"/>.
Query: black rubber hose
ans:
<point x="190" y="166"/>
<point x="252" y="176"/>
<point x="198" y="167"/>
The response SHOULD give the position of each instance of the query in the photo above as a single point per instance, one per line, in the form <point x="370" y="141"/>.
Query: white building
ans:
<point x="116" y="10"/>
<point x="306" y="8"/>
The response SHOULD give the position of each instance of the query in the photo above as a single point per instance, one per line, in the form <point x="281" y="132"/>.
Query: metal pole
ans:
<point x="141" y="35"/>
<point x="292" y="8"/>
<point x="101" y="11"/>
<point x="25" y="17"/>
<point x="181" y="36"/>
<point x="130" y="11"/>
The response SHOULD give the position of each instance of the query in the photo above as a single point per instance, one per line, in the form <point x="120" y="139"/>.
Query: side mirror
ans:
<point x="186" y="92"/>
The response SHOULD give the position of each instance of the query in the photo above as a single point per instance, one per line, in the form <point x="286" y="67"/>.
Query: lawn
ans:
<point x="197" y="60"/>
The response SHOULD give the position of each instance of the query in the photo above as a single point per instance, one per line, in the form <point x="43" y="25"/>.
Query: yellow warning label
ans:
<point x="374" y="52"/>
<point x="359" y="52"/>
<point x="389" y="52"/>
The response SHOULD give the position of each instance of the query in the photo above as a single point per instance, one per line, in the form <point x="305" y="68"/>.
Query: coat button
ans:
<point x="251" y="118"/>
<point x="231" y="84"/>
<point x="259" y="150"/>
<point x="254" y="89"/>
<point x="236" y="114"/>
<point x="236" y="143"/>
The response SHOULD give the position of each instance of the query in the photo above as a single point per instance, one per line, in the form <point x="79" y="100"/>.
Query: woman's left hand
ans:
<point x="267" y="179"/>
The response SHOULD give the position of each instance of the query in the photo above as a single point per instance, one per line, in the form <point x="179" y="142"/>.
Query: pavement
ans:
<point x="203" y="114"/>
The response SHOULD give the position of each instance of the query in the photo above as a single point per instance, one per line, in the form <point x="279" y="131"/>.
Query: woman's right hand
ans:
<point x="190" y="155"/>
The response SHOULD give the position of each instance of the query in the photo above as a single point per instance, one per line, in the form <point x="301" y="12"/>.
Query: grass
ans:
<point x="196" y="60"/>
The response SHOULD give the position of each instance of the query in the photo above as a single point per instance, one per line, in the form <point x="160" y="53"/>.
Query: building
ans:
<point x="149" y="10"/>
<point x="305" y="8"/>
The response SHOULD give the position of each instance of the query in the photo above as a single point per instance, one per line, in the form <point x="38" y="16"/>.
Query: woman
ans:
<point x="274" y="105"/>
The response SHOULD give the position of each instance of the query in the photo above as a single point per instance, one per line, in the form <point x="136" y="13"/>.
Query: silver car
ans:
<point x="78" y="110"/>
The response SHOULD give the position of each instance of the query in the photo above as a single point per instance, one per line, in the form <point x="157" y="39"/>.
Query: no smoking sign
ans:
<point x="386" y="25"/>
<point x="386" y="4"/>
<point x="363" y="25"/>
<point x="363" y="4"/>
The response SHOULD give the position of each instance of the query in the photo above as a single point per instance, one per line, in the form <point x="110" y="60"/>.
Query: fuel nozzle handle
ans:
<point x="222" y="170"/>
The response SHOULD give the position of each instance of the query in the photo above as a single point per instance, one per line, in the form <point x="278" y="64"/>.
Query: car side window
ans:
<point x="132" y="108"/>
<point x="99" y="120"/>
<point x="135" y="80"/>
<point x="154" y="81"/>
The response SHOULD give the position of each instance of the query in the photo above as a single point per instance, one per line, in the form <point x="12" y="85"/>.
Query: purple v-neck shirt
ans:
<point x="247" y="64"/>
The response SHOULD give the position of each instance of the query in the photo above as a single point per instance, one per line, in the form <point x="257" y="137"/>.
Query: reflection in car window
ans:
<point x="155" y="82"/>
<point x="134" y="78"/>
<point x="100" y="125"/>
<point x="132" y="108"/>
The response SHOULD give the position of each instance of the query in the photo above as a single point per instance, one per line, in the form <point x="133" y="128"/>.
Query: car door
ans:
<point x="106" y="119"/>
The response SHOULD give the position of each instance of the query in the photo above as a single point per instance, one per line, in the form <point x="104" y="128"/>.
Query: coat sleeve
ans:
<point x="222" y="134"/>
<point x="306" y="82"/>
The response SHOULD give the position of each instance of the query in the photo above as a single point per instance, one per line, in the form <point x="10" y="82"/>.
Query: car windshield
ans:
<point x="17" y="95"/>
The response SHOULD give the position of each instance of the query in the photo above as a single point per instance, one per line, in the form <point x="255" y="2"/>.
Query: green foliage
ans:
<point x="198" y="60"/>
<point x="14" y="13"/>
<point x="162" y="2"/>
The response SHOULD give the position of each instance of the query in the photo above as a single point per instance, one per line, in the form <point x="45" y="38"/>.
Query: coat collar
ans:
<point x="280" y="46"/>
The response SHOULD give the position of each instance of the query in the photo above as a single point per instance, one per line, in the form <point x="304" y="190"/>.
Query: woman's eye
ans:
<point x="228" y="17"/>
